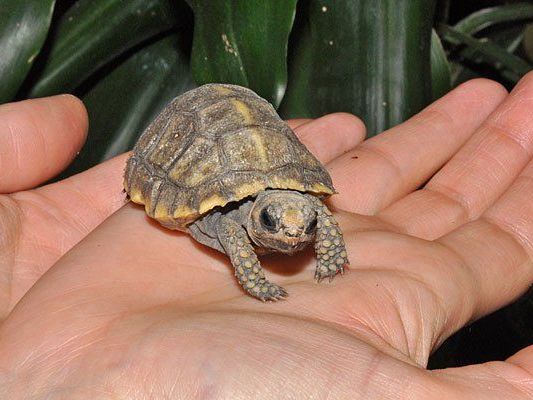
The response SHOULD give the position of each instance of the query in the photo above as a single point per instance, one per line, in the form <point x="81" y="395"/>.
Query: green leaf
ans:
<point x="528" y="41"/>
<point x="93" y="32"/>
<point x="360" y="56"/>
<point x="441" y="80"/>
<point x="511" y="66"/>
<point x="507" y="37"/>
<point x="243" y="42"/>
<point x="123" y="103"/>
<point x="23" y="29"/>
<point x="506" y="23"/>
<point x="487" y="17"/>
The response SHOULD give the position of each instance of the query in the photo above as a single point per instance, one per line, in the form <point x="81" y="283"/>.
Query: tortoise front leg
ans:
<point x="237" y="246"/>
<point x="329" y="243"/>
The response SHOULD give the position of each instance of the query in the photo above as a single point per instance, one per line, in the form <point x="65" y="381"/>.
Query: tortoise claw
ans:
<point x="321" y="272"/>
<point x="268" y="291"/>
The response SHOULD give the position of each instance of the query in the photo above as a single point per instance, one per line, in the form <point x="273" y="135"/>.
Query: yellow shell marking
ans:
<point x="223" y="90"/>
<point x="195" y="177"/>
<point x="287" y="183"/>
<point x="320" y="188"/>
<point x="183" y="211"/>
<point x="160" y="212"/>
<point x="248" y="119"/>
<point x="136" y="196"/>
<point x="249" y="189"/>
<point x="212" y="202"/>
<point x="244" y="111"/>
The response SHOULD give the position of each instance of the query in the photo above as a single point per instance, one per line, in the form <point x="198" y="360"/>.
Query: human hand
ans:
<point x="138" y="311"/>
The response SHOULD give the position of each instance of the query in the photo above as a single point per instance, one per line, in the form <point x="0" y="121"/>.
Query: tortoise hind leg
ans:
<point x="237" y="246"/>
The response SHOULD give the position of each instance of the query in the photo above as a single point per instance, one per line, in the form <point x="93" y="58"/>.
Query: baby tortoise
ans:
<point x="220" y="164"/>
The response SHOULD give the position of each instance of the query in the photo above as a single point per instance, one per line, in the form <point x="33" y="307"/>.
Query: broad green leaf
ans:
<point x="23" y="29"/>
<point x="123" y="103"/>
<point x="511" y="66"/>
<point x="93" y="32"/>
<point x="243" y="42"/>
<point x="441" y="80"/>
<point x="360" y="56"/>
<point x="487" y="17"/>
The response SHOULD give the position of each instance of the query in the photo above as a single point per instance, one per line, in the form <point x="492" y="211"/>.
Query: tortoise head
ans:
<point x="282" y="220"/>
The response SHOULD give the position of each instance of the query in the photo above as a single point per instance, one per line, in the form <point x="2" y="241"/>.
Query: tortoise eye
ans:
<point x="267" y="221"/>
<point x="311" y="227"/>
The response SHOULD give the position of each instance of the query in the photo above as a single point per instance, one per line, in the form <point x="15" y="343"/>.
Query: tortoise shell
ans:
<point x="214" y="145"/>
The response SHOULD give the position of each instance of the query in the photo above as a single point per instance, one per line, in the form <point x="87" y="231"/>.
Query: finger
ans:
<point x="396" y="162"/>
<point x="86" y="199"/>
<point x="523" y="360"/>
<point x="55" y="217"/>
<point x="501" y="262"/>
<point x="296" y="122"/>
<point x="38" y="139"/>
<point x="510" y="379"/>
<point x="477" y="175"/>
<point x="332" y="135"/>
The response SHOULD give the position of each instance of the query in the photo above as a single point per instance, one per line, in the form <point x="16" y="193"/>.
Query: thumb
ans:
<point x="38" y="138"/>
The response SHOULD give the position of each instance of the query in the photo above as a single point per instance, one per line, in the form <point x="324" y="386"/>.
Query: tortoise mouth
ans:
<point x="282" y="246"/>
<point x="294" y="248"/>
<point x="289" y="248"/>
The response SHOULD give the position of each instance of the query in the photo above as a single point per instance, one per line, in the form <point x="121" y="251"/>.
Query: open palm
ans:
<point x="132" y="310"/>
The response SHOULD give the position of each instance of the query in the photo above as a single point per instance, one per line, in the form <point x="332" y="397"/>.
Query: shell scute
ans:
<point x="197" y="164"/>
<point x="256" y="148"/>
<point x="168" y="145"/>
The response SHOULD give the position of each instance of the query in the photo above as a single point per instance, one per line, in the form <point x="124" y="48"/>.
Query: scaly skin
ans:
<point x="329" y="244"/>
<point x="248" y="271"/>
